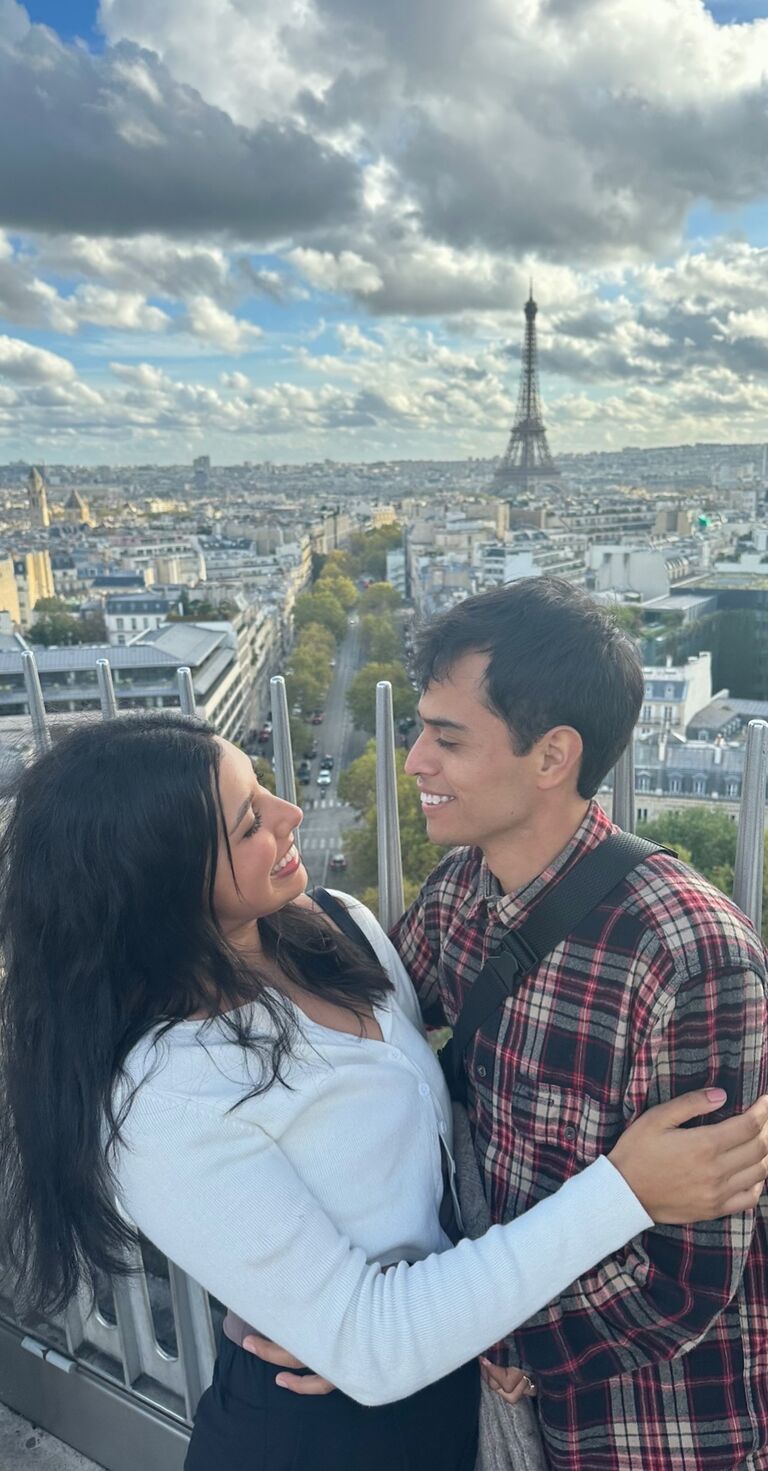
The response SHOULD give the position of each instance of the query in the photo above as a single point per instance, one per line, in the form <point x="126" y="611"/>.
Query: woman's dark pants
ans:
<point x="246" y="1422"/>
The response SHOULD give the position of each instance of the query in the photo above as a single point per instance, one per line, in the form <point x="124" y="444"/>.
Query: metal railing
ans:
<point x="102" y="1379"/>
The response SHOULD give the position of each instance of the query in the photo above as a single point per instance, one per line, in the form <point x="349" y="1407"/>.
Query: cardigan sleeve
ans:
<point x="218" y="1196"/>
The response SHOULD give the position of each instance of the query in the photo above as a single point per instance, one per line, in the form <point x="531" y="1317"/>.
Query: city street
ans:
<point x="326" y="817"/>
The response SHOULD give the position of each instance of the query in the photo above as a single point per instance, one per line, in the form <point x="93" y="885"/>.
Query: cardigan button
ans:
<point x="482" y="1072"/>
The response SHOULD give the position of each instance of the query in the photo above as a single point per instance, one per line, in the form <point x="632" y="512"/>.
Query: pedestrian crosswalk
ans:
<point x="311" y="844"/>
<point x="320" y="804"/>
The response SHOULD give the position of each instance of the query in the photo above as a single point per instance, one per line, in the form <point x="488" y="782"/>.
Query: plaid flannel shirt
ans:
<point x="657" y="1360"/>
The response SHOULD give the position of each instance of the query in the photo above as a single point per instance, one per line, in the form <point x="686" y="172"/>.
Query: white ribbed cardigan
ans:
<point x="288" y="1208"/>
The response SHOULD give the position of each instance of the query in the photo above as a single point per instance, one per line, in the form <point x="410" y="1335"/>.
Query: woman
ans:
<point x="183" y="1025"/>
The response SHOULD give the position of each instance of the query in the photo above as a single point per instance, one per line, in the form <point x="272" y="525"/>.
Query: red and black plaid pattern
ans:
<point x="658" y="1359"/>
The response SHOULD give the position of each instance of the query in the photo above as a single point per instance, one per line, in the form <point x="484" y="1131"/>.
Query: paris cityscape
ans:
<point x="318" y="318"/>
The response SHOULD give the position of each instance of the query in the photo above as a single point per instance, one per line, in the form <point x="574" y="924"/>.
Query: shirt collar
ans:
<point x="513" y="908"/>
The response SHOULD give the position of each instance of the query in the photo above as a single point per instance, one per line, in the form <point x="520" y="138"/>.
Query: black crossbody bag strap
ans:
<point x="343" y="920"/>
<point x="591" y="880"/>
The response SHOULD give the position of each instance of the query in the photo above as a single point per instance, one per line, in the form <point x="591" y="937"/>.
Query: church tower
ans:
<point x="39" y="514"/>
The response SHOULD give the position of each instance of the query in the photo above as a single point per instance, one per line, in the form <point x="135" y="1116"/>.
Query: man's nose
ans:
<point x="415" y="761"/>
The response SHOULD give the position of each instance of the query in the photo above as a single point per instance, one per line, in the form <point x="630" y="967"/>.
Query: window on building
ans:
<point x="669" y="713"/>
<point x="647" y="712"/>
<point x="699" y="786"/>
<point x="643" y="783"/>
<point x="120" y="622"/>
<point x="669" y="692"/>
<point x="642" y="814"/>
<point x="675" y="784"/>
<point x="733" y="789"/>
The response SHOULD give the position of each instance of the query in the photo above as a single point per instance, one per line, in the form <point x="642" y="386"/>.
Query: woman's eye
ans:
<point x="255" y="825"/>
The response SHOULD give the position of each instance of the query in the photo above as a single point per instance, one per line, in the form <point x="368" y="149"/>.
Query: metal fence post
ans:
<point x="624" y="788"/>
<point x="36" y="703"/>
<point x="750" y="841"/>
<point x="391" y="899"/>
<point x="186" y="690"/>
<point x="285" y="776"/>
<point x="106" y="689"/>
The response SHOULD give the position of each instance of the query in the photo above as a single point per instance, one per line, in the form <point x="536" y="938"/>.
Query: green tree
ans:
<point x="342" y="588"/>
<point x="357" y="786"/>
<point x="709" y="837"/>
<point x="321" y="607"/>
<point x="336" y="564"/>
<point x="57" y="626"/>
<point x="707" y="840"/>
<point x="380" y="638"/>
<point x="318" y="639"/>
<point x="361" y="695"/>
<point x="380" y="597"/>
<point x="264" y="772"/>
<point x="368" y="550"/>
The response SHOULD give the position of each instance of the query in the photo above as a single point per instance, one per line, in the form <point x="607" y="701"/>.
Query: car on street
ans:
<point x="337" y="862"/>
<point x="304" y="773"/>
<point x="327" y="763"/>
<point x="311" y="751"/>
<point x="316" y="718"/>
<point x="264" y="734"/>
<point x="324" y="778"/>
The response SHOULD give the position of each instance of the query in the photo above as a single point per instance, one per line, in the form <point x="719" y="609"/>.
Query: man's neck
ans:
<point x="518" y="858"/>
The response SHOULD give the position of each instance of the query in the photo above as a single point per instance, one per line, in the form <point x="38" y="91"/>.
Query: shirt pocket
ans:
<point x="552" y="1120"/>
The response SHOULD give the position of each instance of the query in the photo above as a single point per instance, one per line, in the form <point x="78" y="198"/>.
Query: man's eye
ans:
<point x="446" y="745"/>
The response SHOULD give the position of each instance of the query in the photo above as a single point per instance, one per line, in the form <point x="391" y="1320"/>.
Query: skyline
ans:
<point x="223" y="232"/>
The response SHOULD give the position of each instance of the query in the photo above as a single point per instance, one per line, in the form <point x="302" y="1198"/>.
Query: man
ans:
<point x="658" y="1359"/>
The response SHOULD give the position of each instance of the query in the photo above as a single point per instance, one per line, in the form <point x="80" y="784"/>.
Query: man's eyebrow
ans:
<point x="441" y="722"/>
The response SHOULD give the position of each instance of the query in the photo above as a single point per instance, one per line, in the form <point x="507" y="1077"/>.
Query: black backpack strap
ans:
<point x="590" y="881"/>
<point x="343" y="920"/>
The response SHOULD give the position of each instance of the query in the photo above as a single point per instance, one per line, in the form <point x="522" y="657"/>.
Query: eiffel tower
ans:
<point x="528" y="455"/>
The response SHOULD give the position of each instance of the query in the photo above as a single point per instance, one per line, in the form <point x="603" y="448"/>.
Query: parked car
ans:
<point x="264" y="734"/>
<point x="311" y="752"/>
<point x="316" y="718"/>
<point x="327" y="763"/>
<point x="296" y="709"/>
<point x="304" y="773"/>
<point x="337" y="861"/>
<point x="324" y="778"/>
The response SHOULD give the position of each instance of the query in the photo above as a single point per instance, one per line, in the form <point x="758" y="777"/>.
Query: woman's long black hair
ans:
<point x="107" y="930"/>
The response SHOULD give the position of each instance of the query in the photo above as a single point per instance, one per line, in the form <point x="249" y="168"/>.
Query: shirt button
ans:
<point x="424" y="1090"/>
<point x="482" y="1072"/>
<point x="396" y="1054"/>
<point x="569" y="1133"/>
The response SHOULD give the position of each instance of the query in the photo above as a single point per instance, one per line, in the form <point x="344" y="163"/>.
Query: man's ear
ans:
<point x="559" y="752"/>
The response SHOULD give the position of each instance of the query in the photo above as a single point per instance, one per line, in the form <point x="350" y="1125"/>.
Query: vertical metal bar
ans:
<point x="36" y="703"/>
<point x="750" y="841"/>
<point x="285" y="778"/>
<point x="391" y="898"/>
<point x="194" y="1335"/>
<point x="106" y="689"/>
<point x="624" y="788"/>
<point x="186" y="690"/>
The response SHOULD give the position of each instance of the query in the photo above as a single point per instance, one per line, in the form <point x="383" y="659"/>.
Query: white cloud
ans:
<point x="24" y="364"/>
<point x="218" y="327"/>
<point x="346" y="271"/>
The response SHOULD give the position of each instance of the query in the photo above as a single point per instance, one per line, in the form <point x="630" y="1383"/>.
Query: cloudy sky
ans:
<point x="297" y="229"/>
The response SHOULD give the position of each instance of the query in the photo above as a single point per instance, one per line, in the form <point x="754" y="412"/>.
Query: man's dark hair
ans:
<point x="555" y="658"/>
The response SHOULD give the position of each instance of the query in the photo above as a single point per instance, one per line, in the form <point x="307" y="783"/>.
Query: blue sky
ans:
<point x="336" y="265"/>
